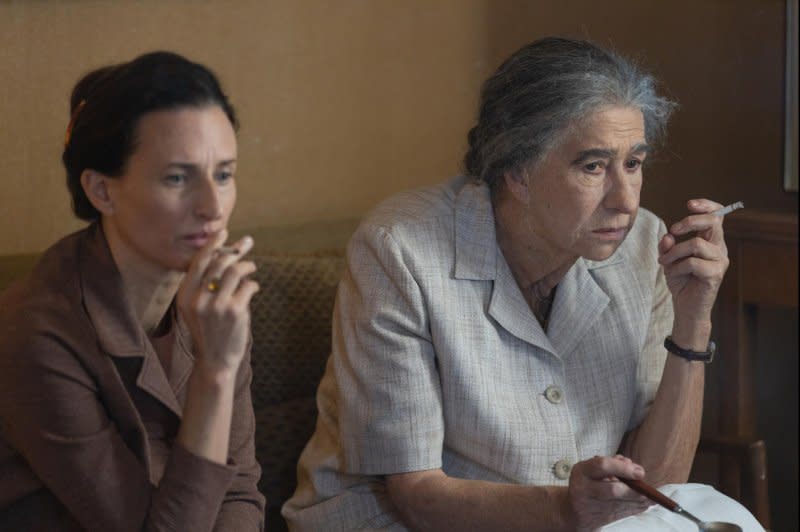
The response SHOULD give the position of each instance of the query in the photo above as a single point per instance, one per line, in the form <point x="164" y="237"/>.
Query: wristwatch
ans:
<point x="699" y="356"/>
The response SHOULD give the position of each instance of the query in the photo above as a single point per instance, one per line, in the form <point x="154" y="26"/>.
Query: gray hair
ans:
<point x="544" y="89"/>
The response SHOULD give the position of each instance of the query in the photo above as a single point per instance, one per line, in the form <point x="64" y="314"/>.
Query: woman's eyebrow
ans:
<point x="606" y="153"/>
<point x="193" y="166"/>
<point x="594" y="153"/>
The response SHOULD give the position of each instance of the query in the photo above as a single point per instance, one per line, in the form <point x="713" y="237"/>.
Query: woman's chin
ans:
<point x="601" y="252"/>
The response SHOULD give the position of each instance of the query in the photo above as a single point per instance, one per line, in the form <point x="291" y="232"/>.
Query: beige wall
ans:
<point x="341" y="103"/>
<point x="345" y="102"/>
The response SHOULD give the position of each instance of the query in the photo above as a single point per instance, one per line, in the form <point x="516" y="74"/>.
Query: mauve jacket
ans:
<point x="79" y="384"/>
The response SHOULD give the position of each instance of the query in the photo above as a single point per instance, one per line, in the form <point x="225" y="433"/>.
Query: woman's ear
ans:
<point x="516" y="183"/>
<point x="95" y="186"/>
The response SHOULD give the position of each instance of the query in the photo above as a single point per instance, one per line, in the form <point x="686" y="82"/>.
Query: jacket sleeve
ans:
<point x="390" y="411"/>
<point x="243" y="505"/>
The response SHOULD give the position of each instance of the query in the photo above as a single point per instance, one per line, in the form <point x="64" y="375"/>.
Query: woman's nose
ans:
<point x="208" y="203"/>
<point x="624" y="194"/>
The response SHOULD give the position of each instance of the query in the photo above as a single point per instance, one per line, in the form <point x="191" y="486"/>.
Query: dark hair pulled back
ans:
<point x="107" y="104"/>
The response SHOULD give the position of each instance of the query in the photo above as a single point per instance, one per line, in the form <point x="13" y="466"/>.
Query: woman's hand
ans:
<point x="214" y="299"/>
<point x="694" y="268"/>
<point x="597" y="496"/>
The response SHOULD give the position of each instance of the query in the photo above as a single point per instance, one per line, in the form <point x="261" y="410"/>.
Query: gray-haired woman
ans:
<point x="499" y="354"/>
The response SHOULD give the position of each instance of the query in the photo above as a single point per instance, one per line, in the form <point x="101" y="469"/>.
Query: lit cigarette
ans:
<point x="227" y="250"/>
<point x="729" y="209"/>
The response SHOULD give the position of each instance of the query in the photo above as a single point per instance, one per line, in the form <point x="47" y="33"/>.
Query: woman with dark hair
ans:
<point x="124" y="356"/>
<point x="499" y="355"/>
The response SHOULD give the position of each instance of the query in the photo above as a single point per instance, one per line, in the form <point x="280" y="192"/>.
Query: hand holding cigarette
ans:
<point x="694" y="267"/>
<point x="214" y="299"/>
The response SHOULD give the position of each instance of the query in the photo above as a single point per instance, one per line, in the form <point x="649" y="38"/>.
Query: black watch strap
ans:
<point x="699" y="356"/>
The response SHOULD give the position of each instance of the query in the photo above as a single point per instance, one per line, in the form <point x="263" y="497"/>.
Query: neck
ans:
<point x="148" y="287"/>
<point x="536" y="266"/>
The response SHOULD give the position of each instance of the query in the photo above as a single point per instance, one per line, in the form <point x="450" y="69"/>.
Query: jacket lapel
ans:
<point x="512" y="312"/>
<point x="118" y="332"/>
<point x="579" y="302"/>
<point x="478" y="258"/>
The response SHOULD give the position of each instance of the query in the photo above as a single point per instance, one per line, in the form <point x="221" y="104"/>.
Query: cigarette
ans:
<point x="227" y="250"/>
<point x="728" y="209"/>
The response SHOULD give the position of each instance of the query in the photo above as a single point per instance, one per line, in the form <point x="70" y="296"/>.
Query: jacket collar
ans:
<point x="579" y="301"/>
<point x="119" y="333"/>
<point x="476" y="242"/>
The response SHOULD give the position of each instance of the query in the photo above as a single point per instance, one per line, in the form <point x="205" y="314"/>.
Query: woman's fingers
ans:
<point x="247" y="288"/>
<point x="698" y="268"/>
<point x="603" y="472"/>
<point x="703" y="222"/>
<point x="601" y="467"/>
<point x="700" y="205"/>
<point x="216" y="303"/>
<point x="694" y="247"/>
<point x="232" y="277"/>
<point x="220" y="261"/>
<point x="598" y="496"/>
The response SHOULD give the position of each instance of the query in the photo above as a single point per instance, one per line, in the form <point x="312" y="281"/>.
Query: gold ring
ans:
<point x="213" y="285"/>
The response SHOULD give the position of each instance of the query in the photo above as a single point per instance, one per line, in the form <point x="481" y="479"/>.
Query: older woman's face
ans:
<point x="178" y="188"/>
<point x="584" y="194"/>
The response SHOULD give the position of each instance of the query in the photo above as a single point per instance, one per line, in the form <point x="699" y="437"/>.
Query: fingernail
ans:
<point x="677" y="228"/>
<point x="638" y="470"/>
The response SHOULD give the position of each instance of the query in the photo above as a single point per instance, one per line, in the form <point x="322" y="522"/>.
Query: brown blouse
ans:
<point x="82" y="397"/>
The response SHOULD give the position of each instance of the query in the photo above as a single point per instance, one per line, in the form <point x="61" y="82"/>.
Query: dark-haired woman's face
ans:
<point x="178" y="188"/>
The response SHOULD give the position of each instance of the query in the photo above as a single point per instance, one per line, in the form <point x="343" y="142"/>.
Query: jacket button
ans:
<point x="554" y="394"/>
<point x="561" y="469"/>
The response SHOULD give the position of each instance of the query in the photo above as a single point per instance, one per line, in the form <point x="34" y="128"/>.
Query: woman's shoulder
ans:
<point x="46" y="303"/>
<point x="413" y="217"/>
<point x="414" y="207"/>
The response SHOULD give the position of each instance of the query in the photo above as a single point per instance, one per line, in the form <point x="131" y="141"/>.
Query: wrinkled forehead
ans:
<point x="610" y="128"/>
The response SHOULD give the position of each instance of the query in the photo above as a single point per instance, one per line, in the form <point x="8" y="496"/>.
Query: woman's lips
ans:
<point x="198" y="240"/>
<point x="611" y="233"/>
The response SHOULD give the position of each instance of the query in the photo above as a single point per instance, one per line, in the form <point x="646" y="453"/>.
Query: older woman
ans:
<point x="124" y="357"/>
<point x="499" y="354"/>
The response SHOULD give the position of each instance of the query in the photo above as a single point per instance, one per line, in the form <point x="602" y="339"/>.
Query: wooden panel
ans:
<point x="764" y="267"/>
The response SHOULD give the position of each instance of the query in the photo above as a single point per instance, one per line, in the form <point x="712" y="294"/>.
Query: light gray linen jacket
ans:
<point x="438" y="361"/>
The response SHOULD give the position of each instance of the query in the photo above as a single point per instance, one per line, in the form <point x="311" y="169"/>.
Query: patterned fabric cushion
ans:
<point x="291" y="324"/>
<point x="281" y="433"/>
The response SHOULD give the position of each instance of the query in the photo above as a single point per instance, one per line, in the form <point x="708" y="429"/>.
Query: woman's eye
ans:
<point x="633" y="164"/>
<point x="175" y="179"/>
<point x="595" y="168"/>
<point x="224" y="177"/>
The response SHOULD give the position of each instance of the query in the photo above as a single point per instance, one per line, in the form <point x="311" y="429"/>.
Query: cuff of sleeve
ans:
<point x="192" y="490"/>
<point x="386" y="456"/>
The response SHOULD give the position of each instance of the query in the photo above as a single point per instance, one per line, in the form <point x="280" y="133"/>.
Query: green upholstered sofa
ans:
<point x="298" y="270"/>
